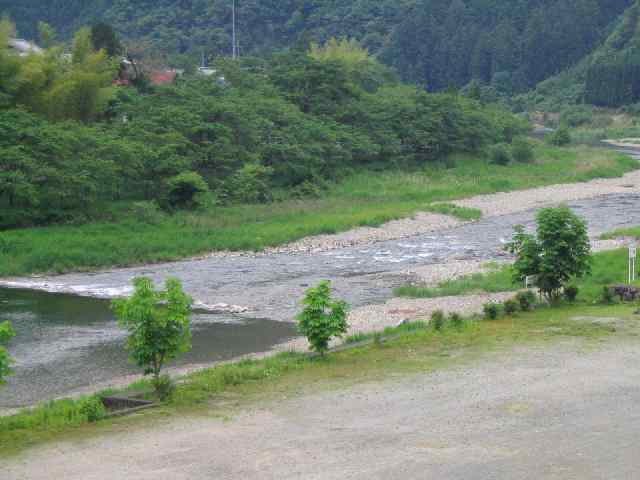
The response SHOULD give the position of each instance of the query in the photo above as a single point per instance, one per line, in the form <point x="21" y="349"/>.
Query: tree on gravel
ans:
<point x="322" y="318"/>
<point x="159" y="327"/>
<point x="558" y="253"/>
<point x="6" y="333"/>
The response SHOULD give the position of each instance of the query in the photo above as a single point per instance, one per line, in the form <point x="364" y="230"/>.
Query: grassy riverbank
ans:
<point x="362" y="199"/>
<point x="608" y="268"/>
<point x="414" y="349"/>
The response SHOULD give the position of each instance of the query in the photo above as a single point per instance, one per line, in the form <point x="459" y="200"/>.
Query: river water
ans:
<point x="65" y="342"/>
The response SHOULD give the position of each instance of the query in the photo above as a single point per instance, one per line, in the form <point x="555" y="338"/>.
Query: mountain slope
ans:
<point x="438" y="43"/>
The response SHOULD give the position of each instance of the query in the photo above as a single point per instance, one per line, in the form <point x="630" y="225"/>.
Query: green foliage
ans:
<point x="158" y="323"/>
<point x="456" y="320"/>
<point x="103" y="37"/>
<point x="607" y="296"/>
<point x="6" y="333"/>
<point x="560" y="251"/>
<point x="438" y="320"/>
<point x="187" y="191"/>
<point x="526" y="300"/>
<point x="322" y="318"/>
<point x="92" y="408"/>
<point x="491" y="311"/>
<point x="500" y="154"/>
<point x="571" y="293"/>
<point x="363" y="198"/>
<point x="522" y="150"/>
<point x="560" y="137"/>
<point x="510" y="307"/>
<point x="164" y="387"/>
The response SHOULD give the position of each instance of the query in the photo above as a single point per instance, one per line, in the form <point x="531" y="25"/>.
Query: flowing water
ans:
<point x="66" y="342"/>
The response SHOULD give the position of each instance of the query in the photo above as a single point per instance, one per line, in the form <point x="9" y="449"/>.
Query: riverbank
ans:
<point x="362" y="200"/>
<point x="225" y="392"/>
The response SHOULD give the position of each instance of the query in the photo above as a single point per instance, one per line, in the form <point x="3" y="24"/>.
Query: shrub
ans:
<point x="6" y="334"/>
<point x="188" y="191"/>
<point x="158" y="323"/>
<point x="561" y="137"/>
<point x="322" y="318"/>
<point x="522" y="150"/>
<point x="164" y="387"/>
<point x="560" y="251"/>
<point x="92" y="408"/>
<point x="499" y="154"/>
<point x="251" y="184"/>
<point x="607" y="296"/>
<point x="510" y="307"/>
<point x="438" y="320"/>
<point x="491" y="311"/>
<point x="526" y="300"/>
<point x="456" y="320"/>
<point x="571" y="293"/>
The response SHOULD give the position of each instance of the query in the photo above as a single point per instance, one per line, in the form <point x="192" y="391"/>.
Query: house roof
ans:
<point x="24" y="47"/>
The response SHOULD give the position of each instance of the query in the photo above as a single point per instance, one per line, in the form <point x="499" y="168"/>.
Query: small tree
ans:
<point x="6" y="334"/>
<point x="558" y="253"/>
<point x="561" y="137"/>
<point x="158" y="323"/>
<point x="322" y="318"/>
<point x="188" y="191"/>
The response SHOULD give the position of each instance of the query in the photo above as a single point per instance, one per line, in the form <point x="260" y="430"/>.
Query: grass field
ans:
<point x="362" y="199"/>
<point x="221" y="391"/>
<point x="608" y="268"/>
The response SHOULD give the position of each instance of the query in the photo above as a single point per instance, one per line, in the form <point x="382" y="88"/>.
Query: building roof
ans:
<point x="24" y="47"/>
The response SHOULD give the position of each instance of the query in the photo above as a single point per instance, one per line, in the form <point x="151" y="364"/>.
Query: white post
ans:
<point x="632" y="263"/>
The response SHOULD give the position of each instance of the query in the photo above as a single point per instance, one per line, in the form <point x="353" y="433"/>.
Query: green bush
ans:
<point x="251" y="184"/>
<point x="322" y="317"/>
<point x="456" y="320"/>
<point x="522" y="150"/>
<point x="526" y="300"/>
<point x="607" y="296"/>
<point x="571" y="293"/>
<point x="6" y="334"/>
<point x="561" y="137"/>
<point x="92" y="408"/>
<point x="187" y="191"/>
<point x="510" y="307"/>
<point x="491" y="311"/>
<point x="438" y="320"/>
<point x="164" y="387"/>
<point x="499" y="154"/>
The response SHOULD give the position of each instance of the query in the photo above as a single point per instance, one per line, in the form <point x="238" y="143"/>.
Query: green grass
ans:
<point x="221" y="391"/>
<point x="365" y="198"/>
<point x="608" y="268"/>
<point x="633" y="232"/>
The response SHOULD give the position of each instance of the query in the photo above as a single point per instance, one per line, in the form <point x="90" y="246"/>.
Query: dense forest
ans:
<point x="508" y="44"/>
<point x="277" y="127"/>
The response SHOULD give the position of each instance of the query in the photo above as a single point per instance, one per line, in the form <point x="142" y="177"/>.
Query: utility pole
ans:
<point x="234" y="49"/>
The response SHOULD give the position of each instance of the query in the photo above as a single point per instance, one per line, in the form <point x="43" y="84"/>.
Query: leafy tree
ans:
<point x="322" y="318"/>
<point x="6" y="333"/>
<point x="158" y="323"/>
<point x="557" y="254"/>
<point x="103" y="37"/>
<point x="522" y="150"/>
<point x="187" y="191"/>
<point x="561" y="137"/>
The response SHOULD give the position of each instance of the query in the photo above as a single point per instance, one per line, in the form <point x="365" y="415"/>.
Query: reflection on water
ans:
<point x="64" y="342"/>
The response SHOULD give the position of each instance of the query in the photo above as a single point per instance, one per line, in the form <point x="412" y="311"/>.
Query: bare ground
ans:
<point x="553" y="412"/>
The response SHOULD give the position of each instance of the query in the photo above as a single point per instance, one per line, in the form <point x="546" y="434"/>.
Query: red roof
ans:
<point x="167" y="77"/>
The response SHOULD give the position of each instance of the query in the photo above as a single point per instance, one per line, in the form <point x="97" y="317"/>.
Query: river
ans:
<point x="65" y="342"/>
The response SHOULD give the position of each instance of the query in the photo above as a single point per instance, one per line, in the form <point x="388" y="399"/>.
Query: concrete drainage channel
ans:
<point x="121" y="405"/>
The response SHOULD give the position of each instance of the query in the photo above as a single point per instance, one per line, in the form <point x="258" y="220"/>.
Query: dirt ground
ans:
<point x="566" y="411"/>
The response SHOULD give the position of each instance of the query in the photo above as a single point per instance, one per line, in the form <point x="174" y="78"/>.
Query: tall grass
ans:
<point x="365" y="198"/>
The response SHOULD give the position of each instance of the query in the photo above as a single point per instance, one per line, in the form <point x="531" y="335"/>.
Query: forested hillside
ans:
<point x="510" y="44"/>
<point x="73" y="143"/>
